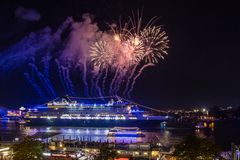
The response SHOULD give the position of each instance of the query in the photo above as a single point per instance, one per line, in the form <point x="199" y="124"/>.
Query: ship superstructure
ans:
<point x="105" y="112"/>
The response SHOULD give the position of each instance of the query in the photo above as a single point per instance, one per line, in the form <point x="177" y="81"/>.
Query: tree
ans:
<point x="106" y="153"/>
<point x="195" y="148"/>
<point x="28" y="149"/>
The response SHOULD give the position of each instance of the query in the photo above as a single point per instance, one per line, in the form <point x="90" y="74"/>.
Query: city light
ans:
<point x="4" y="149"/>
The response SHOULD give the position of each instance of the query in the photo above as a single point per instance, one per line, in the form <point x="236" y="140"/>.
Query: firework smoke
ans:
<point x="111" y="60"/>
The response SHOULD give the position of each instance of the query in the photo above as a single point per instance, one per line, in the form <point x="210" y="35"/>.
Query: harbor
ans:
<point x="63" y="140"/>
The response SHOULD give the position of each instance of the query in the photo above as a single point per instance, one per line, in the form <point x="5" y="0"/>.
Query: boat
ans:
<point x="91" y="112"/>
<point x="21" y="122"/>
<point x="199" y="125"/>
<point x="125" y="132"/>
<point x="206" y="124"/>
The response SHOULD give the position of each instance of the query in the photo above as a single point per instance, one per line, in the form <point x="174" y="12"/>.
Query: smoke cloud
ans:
<point x="27" y="14"/>
<point x="112" y="59"/>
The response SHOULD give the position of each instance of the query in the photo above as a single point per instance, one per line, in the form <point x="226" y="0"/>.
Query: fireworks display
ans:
<point x="108" y="62"/>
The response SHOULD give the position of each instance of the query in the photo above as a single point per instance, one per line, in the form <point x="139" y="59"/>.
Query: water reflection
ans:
<point x="228" y="129"/>
<point x="97" y="134"/>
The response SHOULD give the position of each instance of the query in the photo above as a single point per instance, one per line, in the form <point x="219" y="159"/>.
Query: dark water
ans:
<point x="226" y="132"/>
<point x="223" y="133"/>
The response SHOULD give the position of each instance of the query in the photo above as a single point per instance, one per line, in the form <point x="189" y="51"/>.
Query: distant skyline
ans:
<point x="202" y="66"/>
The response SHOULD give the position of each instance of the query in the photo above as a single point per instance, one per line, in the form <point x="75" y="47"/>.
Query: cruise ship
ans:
<point x="91" y="112"/>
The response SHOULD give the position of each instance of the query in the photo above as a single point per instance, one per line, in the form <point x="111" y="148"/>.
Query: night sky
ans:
<point x="202" y="67"/>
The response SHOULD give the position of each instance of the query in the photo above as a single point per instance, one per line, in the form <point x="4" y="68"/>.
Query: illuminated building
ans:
<point x="235" y="152"/>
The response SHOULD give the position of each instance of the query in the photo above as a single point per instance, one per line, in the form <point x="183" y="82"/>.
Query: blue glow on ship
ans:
<point x="100" y="112"/>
